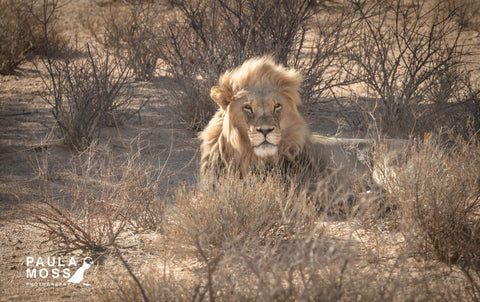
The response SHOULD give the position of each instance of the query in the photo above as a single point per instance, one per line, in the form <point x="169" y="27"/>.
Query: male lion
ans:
<point x="258" y="127"/>
<point x="258" y="124"/>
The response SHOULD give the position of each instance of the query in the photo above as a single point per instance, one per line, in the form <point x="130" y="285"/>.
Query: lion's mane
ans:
<point x="224" y="140"/>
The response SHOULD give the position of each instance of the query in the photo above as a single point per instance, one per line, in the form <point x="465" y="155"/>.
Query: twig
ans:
<point x="125" y="264"/>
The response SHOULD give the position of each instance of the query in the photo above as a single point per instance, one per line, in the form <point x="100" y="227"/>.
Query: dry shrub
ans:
<point x="438" y="193"/>
<point x="472" y="104"/>
<point x="97" y="200"/>
<point x="318" y="270"/>
<point x="253" y="240"/>
<point x="309" y="275"/>
<point x="253" y="209"/>
<point x="24" y="25"/>
<point x="131" y="30"/>
<point x="156" y="285"/>
<point x="207" y="37"/>
<point x="306" y="266"/>
<point x="409" y="58"/>
<point x="84" y="92"/>
<point x="466" y="11"/>
<point x="320" y="53"/>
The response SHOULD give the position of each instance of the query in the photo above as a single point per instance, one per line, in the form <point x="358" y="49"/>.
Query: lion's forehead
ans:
<point x="258" y="93"/>
<point x="264" y="105"/>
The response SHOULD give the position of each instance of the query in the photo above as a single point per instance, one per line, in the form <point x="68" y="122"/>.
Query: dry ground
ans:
<point x="25" y="121"/>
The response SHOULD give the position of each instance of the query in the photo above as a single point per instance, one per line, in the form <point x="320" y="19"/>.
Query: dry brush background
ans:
<point x="100" y="105"/>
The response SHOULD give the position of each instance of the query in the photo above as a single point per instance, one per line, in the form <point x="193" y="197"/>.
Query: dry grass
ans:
<point x="436" y="189"/>
<point x="239" y="211"/>
<point x="235" y="261"/>
<point x="99" y="198"/>
<point x="253" y="238"/>
<point x="438" y="193"/>
<point x="24" y="26"/>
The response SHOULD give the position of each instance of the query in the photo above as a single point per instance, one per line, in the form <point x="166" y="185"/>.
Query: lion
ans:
<point x="257" y="123"/>
<point x="258" y="127"/>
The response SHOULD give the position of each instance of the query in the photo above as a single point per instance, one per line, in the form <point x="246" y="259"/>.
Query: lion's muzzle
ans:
<point x="265" y="141"/>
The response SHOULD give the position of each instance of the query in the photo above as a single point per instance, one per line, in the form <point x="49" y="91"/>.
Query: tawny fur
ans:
<point x="228" y="140"/>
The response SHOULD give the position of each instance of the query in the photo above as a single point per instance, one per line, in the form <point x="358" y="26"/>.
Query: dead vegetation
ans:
<point x="288" y="252"/>
<point x="406" y="56"/>
<point x="101" y="196"/>
<point x="131" y="31"/>
<point x="394" y="68"/>
<point x="438" y="197"/>
<point x="23" y="27"/>
<point x="85" y="92"/>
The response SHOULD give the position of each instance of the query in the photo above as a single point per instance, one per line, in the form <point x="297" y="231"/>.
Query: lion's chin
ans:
<point x="265" y="150"/>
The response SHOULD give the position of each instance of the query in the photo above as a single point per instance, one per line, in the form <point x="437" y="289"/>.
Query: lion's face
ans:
<point x="262" y="117"/>
<point x="263" y="122"/>
<point x="257" y="119"/>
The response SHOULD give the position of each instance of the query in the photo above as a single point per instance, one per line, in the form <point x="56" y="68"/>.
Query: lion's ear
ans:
<point x="221" y="95"/>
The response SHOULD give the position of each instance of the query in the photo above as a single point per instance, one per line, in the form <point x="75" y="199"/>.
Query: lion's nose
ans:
<point x="265" y="131"/>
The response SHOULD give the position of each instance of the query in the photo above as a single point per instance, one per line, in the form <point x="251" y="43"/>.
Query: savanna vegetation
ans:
<point x="380" y="69"/>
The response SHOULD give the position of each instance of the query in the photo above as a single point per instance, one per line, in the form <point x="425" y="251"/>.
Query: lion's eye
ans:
<point x="248" y="108"/>
<point x="277" y="107"/>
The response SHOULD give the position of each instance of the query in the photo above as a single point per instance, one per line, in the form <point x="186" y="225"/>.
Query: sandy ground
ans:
<point x="25" y="121"/>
